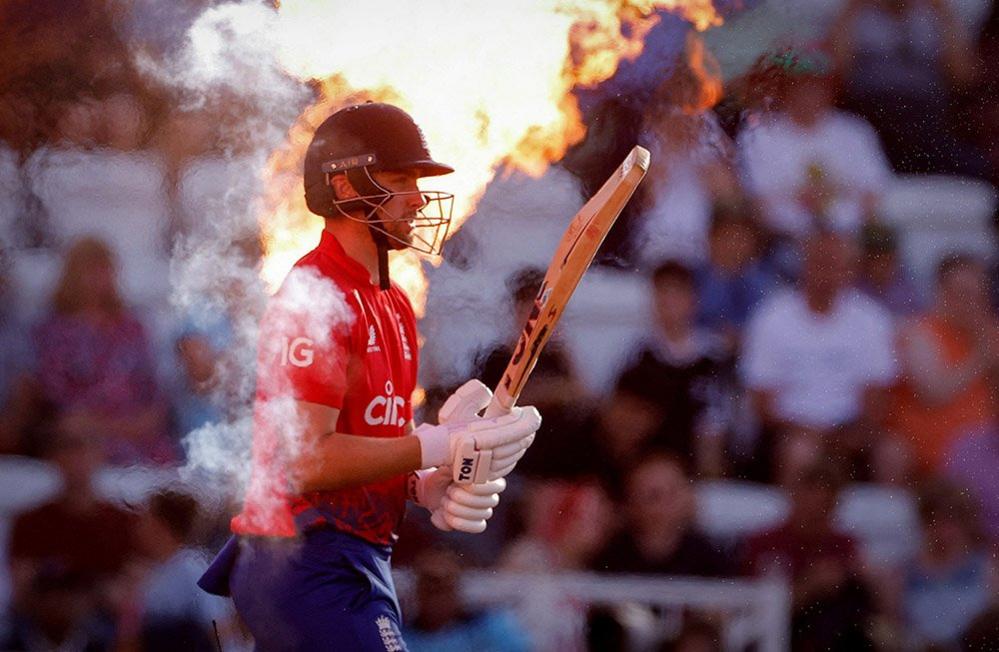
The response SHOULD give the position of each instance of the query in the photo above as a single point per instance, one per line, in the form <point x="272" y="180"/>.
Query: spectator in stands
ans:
<point x="809" y="165"/>
<point x="732" y="281"/>
<point x="185" y="135"/>
<point x="692" y="165"/>
<point x="658" y="535"/>
<point x="554" y="385"/>
<point x="198" y="184"/>
<point x="550" y="545"/>
<point x="94" y="363"/>
<point x="952" y="579"/>
<point x="615" y="435"/>
<point x="831" y="606"/>
<point x="443" y="622"/>
<point x="72" y="550"/>
<point x="818" y="359"/>
<point x="201" y="348"/>
<point x="123" y="122"/>
<point x="881" y="274"/>
<point x="78" y="123"/>
<point x="568" y="542"/>
<point x="903" y="62"/>
<point x="971" y="462"/>
<point x="946" y="356"/>
<point x="681" y="367"/>
<point x="171" y="609"/>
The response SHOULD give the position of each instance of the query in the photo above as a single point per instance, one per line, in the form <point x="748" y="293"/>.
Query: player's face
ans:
<point x="400" y="210"/>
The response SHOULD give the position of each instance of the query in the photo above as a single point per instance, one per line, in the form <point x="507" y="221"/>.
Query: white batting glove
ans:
<point x="465" y="404"/>
<point x="481" y="449"/>
<point x="428" y="487"/>
<point x="467" y="508"/>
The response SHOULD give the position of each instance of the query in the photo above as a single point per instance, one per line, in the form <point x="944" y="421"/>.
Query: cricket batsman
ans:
<point x="336" y="454"/>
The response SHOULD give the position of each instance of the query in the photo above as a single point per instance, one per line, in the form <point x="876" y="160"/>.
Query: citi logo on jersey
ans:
<point x="372" y="342"/>
<point x="386" y="410"/>
<point x="298" y="351"/>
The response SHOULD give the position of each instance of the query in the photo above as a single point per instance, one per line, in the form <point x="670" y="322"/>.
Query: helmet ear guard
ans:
<point x="355" y="168"/>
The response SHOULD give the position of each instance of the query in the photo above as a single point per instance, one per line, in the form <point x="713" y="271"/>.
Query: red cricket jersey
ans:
<point x="330" y="336"/>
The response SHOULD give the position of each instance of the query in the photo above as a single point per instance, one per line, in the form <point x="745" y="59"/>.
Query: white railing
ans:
<point x="757" y="611"/>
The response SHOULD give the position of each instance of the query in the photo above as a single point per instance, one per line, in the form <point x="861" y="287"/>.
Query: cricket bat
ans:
<point x="574" y="254"/>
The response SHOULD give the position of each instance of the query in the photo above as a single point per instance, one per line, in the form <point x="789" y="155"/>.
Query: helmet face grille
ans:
<point x="430" y="225"/>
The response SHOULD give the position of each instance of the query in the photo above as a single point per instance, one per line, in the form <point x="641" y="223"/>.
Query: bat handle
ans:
<point x="501" y="403"/>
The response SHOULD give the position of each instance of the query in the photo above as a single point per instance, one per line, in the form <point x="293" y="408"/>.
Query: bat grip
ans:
<point x="500" y="404"/>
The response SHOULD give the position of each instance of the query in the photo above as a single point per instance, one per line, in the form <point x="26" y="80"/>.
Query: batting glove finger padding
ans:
<point x="465" y="404"/>
<point x="458" y="510"/>
<point x="496" y="486"/>
<point x="502" y="468"/>
<point x="447" y="520"/>
<point x="514" y="450"/>
<point x="502" y="472"/>
<point x="497" y="450"/>
<point x="463" y="525"/>
<point x="479" y="498"/>
<point x="519" y="423"/>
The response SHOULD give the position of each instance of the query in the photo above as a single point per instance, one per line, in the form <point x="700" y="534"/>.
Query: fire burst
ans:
<point x="489" y="83"/>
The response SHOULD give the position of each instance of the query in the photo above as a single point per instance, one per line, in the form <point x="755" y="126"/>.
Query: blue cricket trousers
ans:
<point x="324" y="591"/>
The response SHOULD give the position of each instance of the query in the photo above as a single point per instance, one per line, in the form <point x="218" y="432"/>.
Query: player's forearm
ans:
<point x="339" y="461"/>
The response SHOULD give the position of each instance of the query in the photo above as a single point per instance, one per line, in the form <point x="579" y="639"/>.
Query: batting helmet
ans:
<point x="372" y="136"/>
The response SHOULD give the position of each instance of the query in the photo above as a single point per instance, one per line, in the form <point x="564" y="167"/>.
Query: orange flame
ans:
<point x="489" y="86"/>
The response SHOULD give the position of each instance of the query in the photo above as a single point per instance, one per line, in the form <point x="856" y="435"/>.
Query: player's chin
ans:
<point x="401" y="240"/>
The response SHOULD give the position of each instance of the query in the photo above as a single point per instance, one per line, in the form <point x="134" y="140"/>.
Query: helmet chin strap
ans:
<point x="365" y="185"/>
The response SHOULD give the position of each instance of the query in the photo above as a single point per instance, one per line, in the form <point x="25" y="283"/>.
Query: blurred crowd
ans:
<point x="791" y="347"/>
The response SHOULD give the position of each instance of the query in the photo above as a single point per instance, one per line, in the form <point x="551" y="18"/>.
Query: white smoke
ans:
<point x="227" y="65"/>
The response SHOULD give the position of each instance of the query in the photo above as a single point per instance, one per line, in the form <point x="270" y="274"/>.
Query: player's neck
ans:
<point x="355" y="238"/>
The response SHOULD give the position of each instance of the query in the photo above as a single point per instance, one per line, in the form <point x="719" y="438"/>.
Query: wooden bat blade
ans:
<point x="575" y="252"/>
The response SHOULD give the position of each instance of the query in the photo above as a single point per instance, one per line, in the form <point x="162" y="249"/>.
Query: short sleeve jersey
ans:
<point x="330" y="336"/>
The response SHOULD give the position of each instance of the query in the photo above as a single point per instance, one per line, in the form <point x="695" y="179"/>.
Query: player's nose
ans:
<point x="415" y="200"/>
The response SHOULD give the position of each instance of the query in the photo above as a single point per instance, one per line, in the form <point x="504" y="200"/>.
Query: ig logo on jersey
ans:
<point x="385" y="410"/>
<point x="297" y="351"/>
